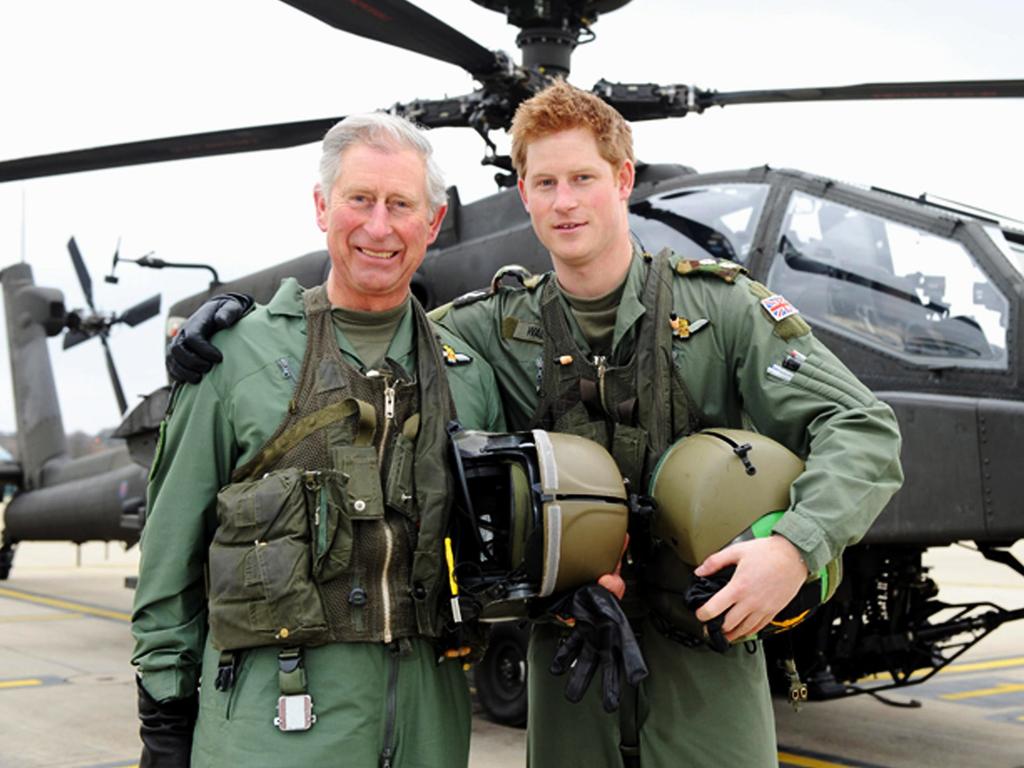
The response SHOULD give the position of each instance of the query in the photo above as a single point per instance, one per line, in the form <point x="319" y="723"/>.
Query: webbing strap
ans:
<point x="291" y="672"/>
<point x="272" y="452"/>
<point x="629" y="733"/>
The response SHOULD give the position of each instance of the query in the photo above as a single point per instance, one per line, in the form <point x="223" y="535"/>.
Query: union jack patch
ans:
<point x="778" y="307"/>
<point x="451" y="357"/>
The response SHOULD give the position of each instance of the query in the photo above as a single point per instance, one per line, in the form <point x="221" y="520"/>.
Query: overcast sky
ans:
<point x="79" y="74"/>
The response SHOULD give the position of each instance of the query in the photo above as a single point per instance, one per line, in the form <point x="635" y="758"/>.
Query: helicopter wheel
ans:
<point x="6" y="560"/>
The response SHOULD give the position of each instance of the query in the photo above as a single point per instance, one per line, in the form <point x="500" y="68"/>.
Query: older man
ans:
<point x="293" y="556"/>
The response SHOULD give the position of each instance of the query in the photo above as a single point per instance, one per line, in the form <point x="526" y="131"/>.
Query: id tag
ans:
<point x="295" y="713"/>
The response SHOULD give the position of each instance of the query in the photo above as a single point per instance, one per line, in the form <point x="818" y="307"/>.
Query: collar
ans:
<point x="631" y="307"/>
<point x="401" y="349"/>
<point x="288" y="299"/>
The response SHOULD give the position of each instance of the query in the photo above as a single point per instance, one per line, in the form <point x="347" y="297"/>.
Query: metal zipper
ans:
<point x="388" y="752"/>
<point x="389" y="415"/>
<point x="384" y="591"/>
<point x="599" y="362"/>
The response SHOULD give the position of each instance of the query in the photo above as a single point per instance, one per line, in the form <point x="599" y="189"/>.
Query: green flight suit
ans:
<point x="215" y="427"/>
<point x="699" y="708"/>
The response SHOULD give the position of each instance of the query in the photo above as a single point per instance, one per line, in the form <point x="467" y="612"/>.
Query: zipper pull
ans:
<point x="389" y="400"/>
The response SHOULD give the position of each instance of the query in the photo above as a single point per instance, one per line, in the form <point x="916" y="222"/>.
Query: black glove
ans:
<point x="190" y="353"/>
<point x="166" y="730"/>
<point x="702" y="590"/>
<point x="600" y="635"/>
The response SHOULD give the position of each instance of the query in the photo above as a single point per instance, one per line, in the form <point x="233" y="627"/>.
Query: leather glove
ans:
<point x="702" y="590"/>
<point x="190" y="353"/>
<point x="600" y="636"/>
<point x="166" y="730"/>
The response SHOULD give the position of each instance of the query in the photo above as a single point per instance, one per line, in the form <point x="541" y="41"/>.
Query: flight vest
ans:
<point x="334" y="531"/>
<point x="635" y="407"/>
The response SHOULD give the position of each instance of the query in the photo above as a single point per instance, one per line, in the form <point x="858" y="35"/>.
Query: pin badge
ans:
<point x="683" y="328"/>
<point x="451" y="357"/>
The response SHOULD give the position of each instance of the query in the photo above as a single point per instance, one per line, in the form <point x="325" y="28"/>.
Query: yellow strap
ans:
<point x="450" y="557"/>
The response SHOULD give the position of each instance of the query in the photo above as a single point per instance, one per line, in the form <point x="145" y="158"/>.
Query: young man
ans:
<point x="635" y="352"/>
<point x="299" y="499"/>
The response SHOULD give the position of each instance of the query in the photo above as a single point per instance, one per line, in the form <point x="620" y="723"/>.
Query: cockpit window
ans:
<point x="1010" y="245"/>
<point x="913" y="293"/>
<point x="714" y="221"/>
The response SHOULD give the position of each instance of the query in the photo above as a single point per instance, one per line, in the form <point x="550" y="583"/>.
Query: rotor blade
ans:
<point x="74" y="337"/>
<point x="948" y="89"/>
<point x="141" y="311"/>
<point x="83" y="274"/>
<point x="402" y="24"/>
<point x="122" y="403"/>
<point x="227" y="142"/>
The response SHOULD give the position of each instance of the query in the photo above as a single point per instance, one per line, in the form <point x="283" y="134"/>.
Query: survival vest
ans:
<point x="635" y="407"/>
<point x="334" y="531"/>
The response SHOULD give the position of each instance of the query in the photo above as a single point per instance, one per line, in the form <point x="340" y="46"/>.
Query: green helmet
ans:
<point x="535" y="513"/>
<point x="712" y="489"/>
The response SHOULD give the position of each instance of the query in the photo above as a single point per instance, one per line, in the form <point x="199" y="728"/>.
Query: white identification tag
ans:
<point x="295" y="713"/>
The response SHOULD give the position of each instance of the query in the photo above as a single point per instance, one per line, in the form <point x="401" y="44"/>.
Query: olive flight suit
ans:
<point x="215" y="428"/>
<point x="728" y="337"/>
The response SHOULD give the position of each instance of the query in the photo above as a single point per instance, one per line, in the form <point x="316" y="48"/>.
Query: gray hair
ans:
<point x="382" y="131"/>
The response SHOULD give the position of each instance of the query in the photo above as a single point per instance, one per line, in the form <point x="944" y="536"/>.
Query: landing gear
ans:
<point x="500" y="676"/>
<point x="6" y="559"/>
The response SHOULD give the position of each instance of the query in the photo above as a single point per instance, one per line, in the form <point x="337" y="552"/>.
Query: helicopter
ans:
<point x="920" y="296"/>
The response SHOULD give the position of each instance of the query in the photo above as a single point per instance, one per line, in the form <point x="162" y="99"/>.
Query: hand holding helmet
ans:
<point x="747" y="585"/>
<point x="719" y="494"/>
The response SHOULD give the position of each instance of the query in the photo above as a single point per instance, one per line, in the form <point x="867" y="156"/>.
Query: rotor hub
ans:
<point x="551" y="29"/>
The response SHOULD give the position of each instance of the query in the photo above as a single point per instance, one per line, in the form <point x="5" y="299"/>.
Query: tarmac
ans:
<point x="67" y="695"/>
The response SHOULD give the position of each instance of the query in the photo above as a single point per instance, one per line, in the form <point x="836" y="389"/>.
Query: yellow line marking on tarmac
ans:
<point x="999" y="689"/>
<point x="952" y="669"/>
<point x="807" y="762"/>
<point x="1017" y="661"/>
<point x="40" y="617"/>
<point x="20" y="683"/>
<point x="65" y="605"/>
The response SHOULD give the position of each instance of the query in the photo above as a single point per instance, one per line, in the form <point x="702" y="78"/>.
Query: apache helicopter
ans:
<point x="921" y="297"/>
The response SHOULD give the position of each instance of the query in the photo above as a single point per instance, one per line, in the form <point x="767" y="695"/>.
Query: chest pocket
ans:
<point x="261" y="586"/>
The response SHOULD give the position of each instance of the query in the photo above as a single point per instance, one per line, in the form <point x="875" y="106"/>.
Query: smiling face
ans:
<point x="378" y="224"/>
<point x="577" y="204"/>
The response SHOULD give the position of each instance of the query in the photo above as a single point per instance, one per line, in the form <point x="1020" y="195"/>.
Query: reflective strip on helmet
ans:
<point x="552" y="545"/>
<point x="546" y="458"/>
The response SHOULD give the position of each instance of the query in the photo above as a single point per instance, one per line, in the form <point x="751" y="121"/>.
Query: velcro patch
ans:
<point x="521" y="330"/>
<point x="778" y="307"/>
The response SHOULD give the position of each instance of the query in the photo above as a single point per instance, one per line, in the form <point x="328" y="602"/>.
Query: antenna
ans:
<point x="22" y="223"/>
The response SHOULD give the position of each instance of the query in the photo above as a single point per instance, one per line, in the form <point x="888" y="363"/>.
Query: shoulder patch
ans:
<point x="720" y="268"/>
<point x="778" y="307"/>
<point x="788" y="322"/>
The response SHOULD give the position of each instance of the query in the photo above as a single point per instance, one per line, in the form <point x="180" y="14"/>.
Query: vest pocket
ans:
<point x="261" y="586"/>
<point x="333" y="544"/>
<point x="399" y="489"/>
<point x="363" y="499"/>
